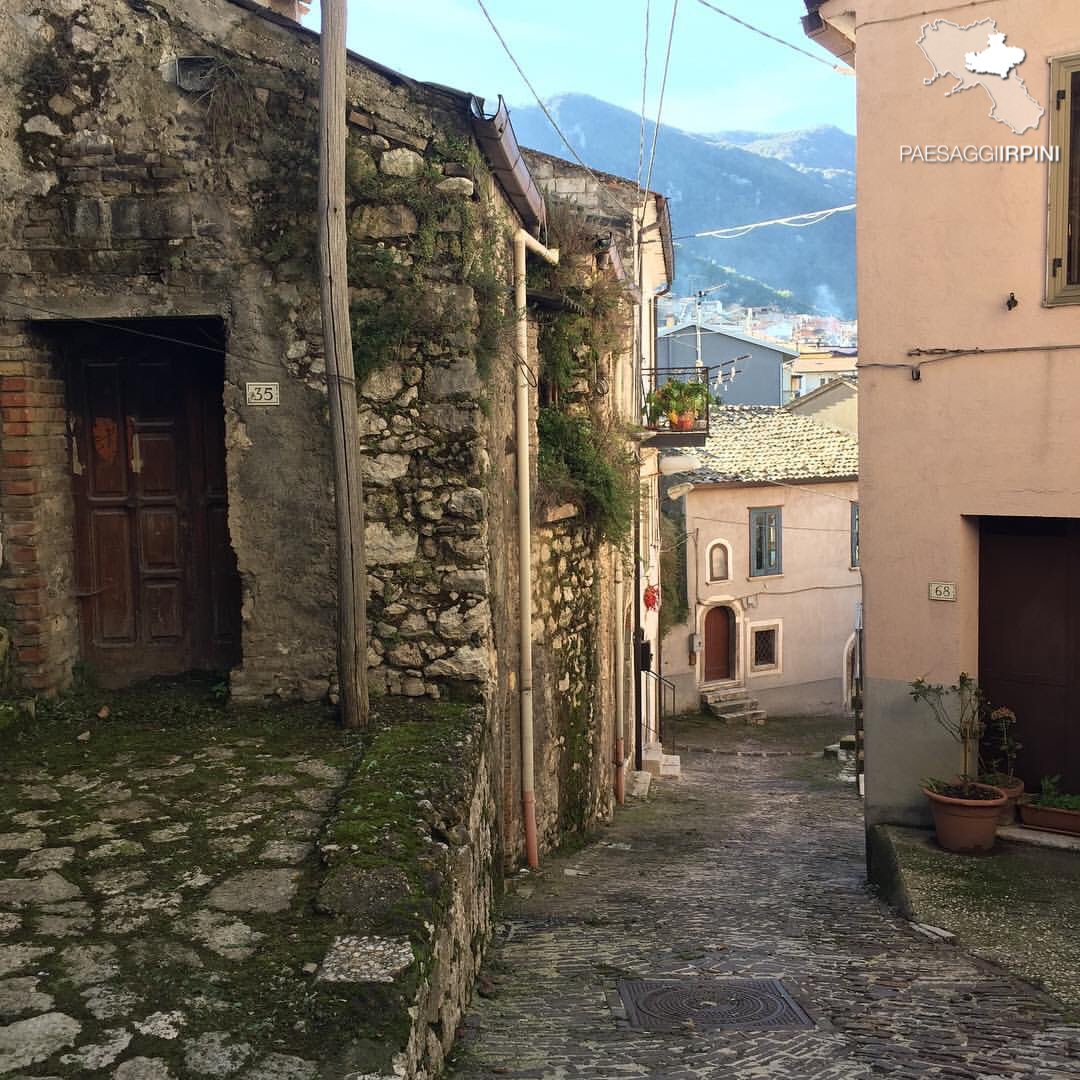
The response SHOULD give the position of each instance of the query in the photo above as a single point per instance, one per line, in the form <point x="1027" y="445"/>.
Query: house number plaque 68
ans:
<point x="263" y="393"/>
<point x="942" y="590"/>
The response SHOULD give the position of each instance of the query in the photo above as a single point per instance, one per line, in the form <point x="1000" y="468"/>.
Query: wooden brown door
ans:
<point x="718" y="642"/>
<point x="1029" y="638"/>
<point x="156" y="572"/>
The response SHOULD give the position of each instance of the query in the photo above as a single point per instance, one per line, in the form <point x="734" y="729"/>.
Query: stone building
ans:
<point x="167" y="497"/>
<point x="636" y="227"/>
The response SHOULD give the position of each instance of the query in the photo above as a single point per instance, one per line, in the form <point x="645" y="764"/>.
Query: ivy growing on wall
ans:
<point x="583" y="456"/>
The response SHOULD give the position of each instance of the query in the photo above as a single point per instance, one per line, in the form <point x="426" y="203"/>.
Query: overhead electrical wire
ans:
<point x="840" y="68"/>
<point x="932" y="356"/>
<point x="659" y="108"/>
<point x="113" y="323"/>
<point x="547" y="112"/>
<point x="793" y="221"/>
<point x="644" y="86"/>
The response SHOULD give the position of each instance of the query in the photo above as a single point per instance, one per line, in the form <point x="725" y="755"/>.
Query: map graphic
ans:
<point x="977" y="55"/>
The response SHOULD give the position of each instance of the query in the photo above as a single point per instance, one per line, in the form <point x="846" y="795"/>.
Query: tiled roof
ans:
<point x="749" y="443"/>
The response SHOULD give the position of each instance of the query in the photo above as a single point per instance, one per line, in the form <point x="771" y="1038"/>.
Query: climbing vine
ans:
<point x="583" y="455"/>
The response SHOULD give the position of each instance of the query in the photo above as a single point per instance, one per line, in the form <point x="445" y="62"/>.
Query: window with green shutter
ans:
<point x="766" y="556"/>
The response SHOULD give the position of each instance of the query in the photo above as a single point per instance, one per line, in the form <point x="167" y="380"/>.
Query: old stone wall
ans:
<point x="412" y="857"/>
<point x="143" y="188"/>
<point x="572" y="620"/>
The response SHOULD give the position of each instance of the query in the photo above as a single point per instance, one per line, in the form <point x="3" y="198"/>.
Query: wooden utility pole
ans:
<point x="340" y="378"/>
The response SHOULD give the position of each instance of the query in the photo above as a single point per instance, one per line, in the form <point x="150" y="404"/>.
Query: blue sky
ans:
<point x="722" y="76"/>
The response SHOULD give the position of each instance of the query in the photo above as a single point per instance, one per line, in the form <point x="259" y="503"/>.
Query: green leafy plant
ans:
<point x="675" y="399"/>
<point x="960" y="710"/>
<point x="589" y="465"/>
<point x="1051" y="795"/>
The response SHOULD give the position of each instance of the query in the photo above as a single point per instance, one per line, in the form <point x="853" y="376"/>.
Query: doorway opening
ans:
<point x="719" y="662"/>
<point x="156" y="575"/>
<point x="1029" y="638"/>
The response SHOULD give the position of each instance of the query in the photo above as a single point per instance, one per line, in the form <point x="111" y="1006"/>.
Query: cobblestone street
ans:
<point x="748" y="866"/>
<point x="155" y="891"/>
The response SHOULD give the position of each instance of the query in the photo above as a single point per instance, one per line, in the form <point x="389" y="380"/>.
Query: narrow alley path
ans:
<point x="750" y="867"/>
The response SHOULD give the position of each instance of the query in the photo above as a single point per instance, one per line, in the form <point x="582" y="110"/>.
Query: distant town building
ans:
<point x="771" y="523"/>
<point x="743" y="370"/>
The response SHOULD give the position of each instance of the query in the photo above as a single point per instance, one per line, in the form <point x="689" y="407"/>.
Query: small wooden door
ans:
<point x="155" y="570"/>
<point x="1029" y="639"/>
<point x="718" y="641"/>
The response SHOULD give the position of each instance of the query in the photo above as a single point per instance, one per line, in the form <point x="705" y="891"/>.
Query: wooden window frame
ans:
<point x="755" y="511"/>
<point x="854" y="553"/>
<point x="1058" y="289"/>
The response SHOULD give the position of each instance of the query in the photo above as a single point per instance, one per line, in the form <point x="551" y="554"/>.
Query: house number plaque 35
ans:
<point x="263" y="393"/>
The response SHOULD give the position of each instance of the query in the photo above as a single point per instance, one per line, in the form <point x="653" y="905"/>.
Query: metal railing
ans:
<point x="675" y="401"/>
<point x="663" y="686"/>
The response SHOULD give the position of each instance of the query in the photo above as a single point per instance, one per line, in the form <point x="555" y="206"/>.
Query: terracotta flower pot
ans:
<point x="1013" y="790"/>
<point x="1053" y="818"/>
<point x="682" y="421"/>
<point x="966" y="825"/>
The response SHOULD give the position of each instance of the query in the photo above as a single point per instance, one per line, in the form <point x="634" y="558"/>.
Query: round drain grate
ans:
<point x="747" y="1004"/>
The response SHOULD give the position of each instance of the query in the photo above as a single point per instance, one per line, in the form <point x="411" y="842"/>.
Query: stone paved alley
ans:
<point x="748" y="866"/>
<point x="155" y="892"/>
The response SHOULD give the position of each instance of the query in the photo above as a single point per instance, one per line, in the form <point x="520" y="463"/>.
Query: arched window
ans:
<point x="718" y="562"/>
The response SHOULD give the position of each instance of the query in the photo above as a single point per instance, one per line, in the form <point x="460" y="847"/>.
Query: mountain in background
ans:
<point x="723" y="179"/>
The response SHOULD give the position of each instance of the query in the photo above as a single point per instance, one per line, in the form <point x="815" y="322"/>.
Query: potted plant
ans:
<point x="683" y="402"/>
<point x="965" y="811"/>
<point x="1001" y="736"/>
<point x="1051" y="809"/>
<point x="654" y="408"/>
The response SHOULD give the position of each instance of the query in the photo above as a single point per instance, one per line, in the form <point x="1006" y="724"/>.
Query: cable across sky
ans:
<point x="793" y="221"/>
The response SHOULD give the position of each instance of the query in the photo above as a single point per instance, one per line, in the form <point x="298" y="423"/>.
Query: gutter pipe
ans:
<point x="522" y="241"/>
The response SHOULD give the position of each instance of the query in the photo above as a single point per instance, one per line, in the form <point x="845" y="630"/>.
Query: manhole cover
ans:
<point x="711" y="1004"/>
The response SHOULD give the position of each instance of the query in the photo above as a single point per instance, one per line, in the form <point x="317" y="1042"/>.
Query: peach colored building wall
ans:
<point x="940" y="248"/>
<point x="813" y="600"/>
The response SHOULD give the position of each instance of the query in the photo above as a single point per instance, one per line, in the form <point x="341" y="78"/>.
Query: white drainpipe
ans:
<point x="620" y="684"/>
<point x="523" y="240"/>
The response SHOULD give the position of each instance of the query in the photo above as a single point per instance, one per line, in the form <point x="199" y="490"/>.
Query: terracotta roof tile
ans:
<point x="750" y="443"/>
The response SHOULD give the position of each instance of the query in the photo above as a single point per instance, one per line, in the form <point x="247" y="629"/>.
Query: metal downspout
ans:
<point x="523" y="240"/>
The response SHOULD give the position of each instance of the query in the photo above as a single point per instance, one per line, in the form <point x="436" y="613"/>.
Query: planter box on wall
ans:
<point x="1049" y="817"/>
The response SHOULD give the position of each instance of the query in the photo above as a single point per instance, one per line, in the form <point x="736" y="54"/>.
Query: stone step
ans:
<point x="736" y="693"/>
<point x="656" y="762"/>
<point x="725" y="709"/>
<point x="748" y="712"/>
<point x="671" y="766"/>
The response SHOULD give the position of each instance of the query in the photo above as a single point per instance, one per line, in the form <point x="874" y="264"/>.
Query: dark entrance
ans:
<point x="156" y="574"/>
<point x="1029" y="638"/>
<point x="719" y="642"/>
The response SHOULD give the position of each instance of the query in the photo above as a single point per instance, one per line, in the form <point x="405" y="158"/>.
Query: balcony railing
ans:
<point x="675" y="405"/>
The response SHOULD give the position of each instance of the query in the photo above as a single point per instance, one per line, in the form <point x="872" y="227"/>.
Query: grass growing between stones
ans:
<point x="1019" y="907"/>
<point x="160" y="884"/>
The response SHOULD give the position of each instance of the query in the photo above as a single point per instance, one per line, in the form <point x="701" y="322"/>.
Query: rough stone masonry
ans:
<point x="158" y="161"/>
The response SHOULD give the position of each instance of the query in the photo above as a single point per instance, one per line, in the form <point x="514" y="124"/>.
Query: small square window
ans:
<point x="765" y="648"/>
